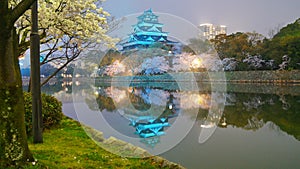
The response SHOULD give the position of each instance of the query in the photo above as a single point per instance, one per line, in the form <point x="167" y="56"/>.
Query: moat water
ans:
<point x="258" y="129"/>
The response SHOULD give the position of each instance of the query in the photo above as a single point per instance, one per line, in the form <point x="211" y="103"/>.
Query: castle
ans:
<point x="147" y="32"/>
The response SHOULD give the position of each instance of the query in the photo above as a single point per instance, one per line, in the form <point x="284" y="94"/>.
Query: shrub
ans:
<point x="51" y="111"/>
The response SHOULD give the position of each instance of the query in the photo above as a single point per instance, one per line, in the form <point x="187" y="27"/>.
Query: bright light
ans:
<point x="196" y="63"/>
<point x="224" y="124"/>
<point x="204" y="100"/>
<point x="207" y="126"/>
<point x="77" y="83"/>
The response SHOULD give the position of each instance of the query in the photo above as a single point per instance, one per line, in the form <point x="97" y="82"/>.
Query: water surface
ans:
<point x="256" y="129"/>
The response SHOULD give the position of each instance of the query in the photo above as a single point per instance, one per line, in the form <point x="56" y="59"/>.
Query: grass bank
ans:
<point x="68" y="147"/>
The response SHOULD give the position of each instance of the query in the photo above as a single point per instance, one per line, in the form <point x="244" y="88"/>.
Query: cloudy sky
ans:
<point x="238" y="15"/>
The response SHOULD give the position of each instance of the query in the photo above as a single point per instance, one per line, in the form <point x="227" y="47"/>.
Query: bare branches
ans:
<point x="57" y="70"/>
<point x="63" y="52"/>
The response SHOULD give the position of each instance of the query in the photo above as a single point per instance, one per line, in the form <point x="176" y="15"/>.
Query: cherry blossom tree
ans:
<point x="182" y="62"/>
<point x="66" y="29"/>
<point x="155" y="65"/>
<point x="256" y="62"/>
<point x="115" y="68"/>
<point x="191" y="62"/>
<point x="285" y="62"/>
<point x="229" y="64"/>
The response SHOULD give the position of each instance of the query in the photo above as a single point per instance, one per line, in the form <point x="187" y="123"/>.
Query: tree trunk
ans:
<point x="13" y="141"/>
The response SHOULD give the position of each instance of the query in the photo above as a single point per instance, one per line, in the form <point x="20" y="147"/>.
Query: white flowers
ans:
<point x="81" y="19"/>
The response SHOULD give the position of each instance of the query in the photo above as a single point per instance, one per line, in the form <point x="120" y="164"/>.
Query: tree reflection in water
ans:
<point x="253" y="111"/>
<point x="246" y="111"/>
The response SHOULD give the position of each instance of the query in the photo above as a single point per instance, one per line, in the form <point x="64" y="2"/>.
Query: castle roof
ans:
<point x="148" y="16"/>
<point x="146" y="32"/>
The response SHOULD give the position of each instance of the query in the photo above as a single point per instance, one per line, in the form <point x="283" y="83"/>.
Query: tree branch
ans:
<point x="54" y="73"/>
<point x="20" y="9"/>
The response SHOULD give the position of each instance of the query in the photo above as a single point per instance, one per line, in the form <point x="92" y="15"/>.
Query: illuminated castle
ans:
<point x="147" y="32"/>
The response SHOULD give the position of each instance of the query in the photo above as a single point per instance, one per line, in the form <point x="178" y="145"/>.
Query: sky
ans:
<point x="238" y="15"/>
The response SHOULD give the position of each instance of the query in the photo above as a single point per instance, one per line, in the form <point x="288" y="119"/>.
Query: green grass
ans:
<point x="68" y="147"/>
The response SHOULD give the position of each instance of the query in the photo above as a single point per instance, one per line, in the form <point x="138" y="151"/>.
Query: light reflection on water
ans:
<point x="256" y="130"/>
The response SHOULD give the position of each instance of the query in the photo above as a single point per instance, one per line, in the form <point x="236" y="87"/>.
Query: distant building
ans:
<point x="210" y="31"/>
<point x="146" y="32"/>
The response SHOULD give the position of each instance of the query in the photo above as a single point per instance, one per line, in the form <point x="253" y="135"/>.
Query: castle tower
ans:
<point x="146" y="32"/>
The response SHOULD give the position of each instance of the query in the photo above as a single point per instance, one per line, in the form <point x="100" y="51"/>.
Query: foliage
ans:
<point x="285" y="42"/>
<point x="110" y="57"/>
<point x="253" y="111"/>
<point x="198" y="46"/>
<point x="229" y="64"/>
<point x="290" y="29"/>
<point x="105" y="103"/>
<point x="159" y="45"/>
<point x="285" y="62"/>
<point x="233" y="45"/>
<point x="252" y="51"/>
<point x="188" y="49"/>
<point x="257" y="63"/>
<point x="238" y="45"/>
<point x="51" y="110"/>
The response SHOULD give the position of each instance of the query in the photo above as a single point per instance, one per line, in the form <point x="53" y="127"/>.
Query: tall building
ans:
<point x="146" y="32"/>
<point x="210" y="31"/>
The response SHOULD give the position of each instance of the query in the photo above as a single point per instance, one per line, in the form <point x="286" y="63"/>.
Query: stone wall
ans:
<point x="126" y="149"/>
<point x="264" y="76"/>
<point x="233" y="76"/>
<point x="272" y="82"/>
